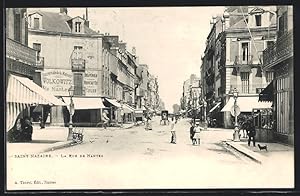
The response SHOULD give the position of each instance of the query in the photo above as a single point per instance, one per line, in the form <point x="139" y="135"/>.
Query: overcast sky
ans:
<point x="171" y="40"/>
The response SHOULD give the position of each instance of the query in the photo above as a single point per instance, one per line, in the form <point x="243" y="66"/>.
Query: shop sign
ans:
<point x="90" y="83"/>
<point x="57" y="81"/>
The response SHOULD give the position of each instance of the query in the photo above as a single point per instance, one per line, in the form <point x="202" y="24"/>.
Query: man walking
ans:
<point x="173" y="131"/>
<point x="251" y="132"/>
<point x="105" y="119"/>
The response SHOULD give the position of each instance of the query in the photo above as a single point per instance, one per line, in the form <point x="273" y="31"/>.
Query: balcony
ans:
<point x="249" y="89"/>
<point x="243" y="60"/>
<point x="280" y="51"/>
<point x="78" y="64"/>
<point x="40" y="63"/>
<point x="20" y="52"/>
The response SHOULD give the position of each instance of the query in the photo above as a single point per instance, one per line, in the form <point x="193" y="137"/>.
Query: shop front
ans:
<point x="88" y="110"/>
<point x="22" y="94"/>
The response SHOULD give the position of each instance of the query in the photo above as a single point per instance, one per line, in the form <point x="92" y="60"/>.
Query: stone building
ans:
<point x="23" y="67"/>
<point x="279" y="59"/>
<point x="233" y="59"/>
<point x="73" y="58"/>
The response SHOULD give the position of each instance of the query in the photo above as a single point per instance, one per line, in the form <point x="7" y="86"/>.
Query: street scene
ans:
<point x="94" y="103"/>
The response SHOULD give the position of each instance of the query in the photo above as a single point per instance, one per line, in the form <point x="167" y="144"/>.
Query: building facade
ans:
<point x="279" y="59"/>
<point x="237" y="57"/>
<point x="73" y="57"/>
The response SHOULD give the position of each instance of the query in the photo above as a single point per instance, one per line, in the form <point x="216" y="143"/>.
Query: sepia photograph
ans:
<point x="171" y="97"/>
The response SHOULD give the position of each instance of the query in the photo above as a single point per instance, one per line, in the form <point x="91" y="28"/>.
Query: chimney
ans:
<point x="63" y="10"/>
<point x="133" y="51"/>
<point x="87" y="22"/>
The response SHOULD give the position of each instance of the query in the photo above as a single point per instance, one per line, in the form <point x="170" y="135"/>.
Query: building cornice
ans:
<point x="45" y="32"/>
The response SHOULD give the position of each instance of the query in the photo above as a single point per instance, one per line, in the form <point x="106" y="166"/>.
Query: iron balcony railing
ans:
<point x="280" y="51"/>
<point x="78" y="64"/>
<point x="243" y="60"/>
<point x="249" y="89"/>
<point x="40" y="63"/>
<point x="20" y="52"/>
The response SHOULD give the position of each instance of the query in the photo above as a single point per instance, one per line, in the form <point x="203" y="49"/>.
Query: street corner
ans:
<point x="248" y="152"/>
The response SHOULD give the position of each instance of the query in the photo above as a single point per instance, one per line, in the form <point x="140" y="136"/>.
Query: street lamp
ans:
<point x="236" y="135"/>
<point x="205" y="119"/>
<point x="71" y="93"/>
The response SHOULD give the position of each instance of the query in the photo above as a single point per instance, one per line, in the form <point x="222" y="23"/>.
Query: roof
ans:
<point x="57" y="22"/>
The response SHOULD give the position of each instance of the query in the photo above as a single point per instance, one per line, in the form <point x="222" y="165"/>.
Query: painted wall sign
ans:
<point x="57" y="81"/>
<point x="90" y="83"/>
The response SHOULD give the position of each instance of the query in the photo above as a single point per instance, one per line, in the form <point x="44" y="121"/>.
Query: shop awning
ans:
<point x="267" y="93"/>
<point x="21" y="94"/>
<point x="246" y="104"/>
<point x="113" y="102"/>
<point x="85" y="103"/>
<point x="127" y="108"/>
<point x="24" y="90"/>
<point x="212" y="109"/>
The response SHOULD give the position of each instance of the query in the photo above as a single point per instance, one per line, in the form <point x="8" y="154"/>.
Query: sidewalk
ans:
<point x="43" y="140"/>
<point x="275" y="151"/>
<point x="49" y="139"/>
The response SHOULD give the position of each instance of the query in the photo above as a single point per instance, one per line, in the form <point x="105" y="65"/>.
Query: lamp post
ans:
<point x="205" y="119"/>
<point x="236" y="135"/>
<point x="71" y="93"/>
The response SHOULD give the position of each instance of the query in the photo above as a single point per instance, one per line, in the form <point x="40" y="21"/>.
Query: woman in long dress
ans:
<point x="197" y="131"/>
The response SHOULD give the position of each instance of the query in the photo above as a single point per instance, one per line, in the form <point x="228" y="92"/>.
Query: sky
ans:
<point x="170" y="40"/>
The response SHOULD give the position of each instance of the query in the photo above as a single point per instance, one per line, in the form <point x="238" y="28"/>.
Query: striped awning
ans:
<point x="24" y="90"/>
<point x="22" y="93"/>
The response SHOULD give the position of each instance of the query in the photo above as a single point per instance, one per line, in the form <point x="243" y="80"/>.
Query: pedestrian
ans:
<point x="197" y="131"/>
<point x="27" y="129"/>
<point x="192" y="133"/>
<point x="148" y="122"/>
<point x="251" y="132"/>
<point x="173" y="131"/>
<point x="105" y="119"/>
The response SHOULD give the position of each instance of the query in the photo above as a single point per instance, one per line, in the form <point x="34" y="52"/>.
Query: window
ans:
<point x="269" y="76"/>
<point x="245" y="52"/>
<point x="17" y="27"/>
<point x="37" y="47"/>
<point x="282" y="24"/>
<point x="258" y="20"/>
<point x="270" y="44"/>
<point x="245" y="82"/>
<point x="36" y="23"/>
<point x="78" y="78"/>
<point x="77" y="52"/>
<point x="77" y="26"/>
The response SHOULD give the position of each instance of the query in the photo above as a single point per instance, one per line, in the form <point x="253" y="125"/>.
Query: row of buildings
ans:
<point x="250" y="49"/>
<point x="63" y="55"/>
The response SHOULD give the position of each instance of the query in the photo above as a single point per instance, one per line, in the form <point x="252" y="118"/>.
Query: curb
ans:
<point x="252" y="155"/>
<point x="59" y="145"/>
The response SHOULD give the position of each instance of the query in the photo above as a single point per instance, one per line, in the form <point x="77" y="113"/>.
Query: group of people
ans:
<point x="194" y="132"/>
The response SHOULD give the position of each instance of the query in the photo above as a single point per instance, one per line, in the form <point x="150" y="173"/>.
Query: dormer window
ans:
<point x="258" y="20"/>
<point x="36" y="23"/>
<point x="77" y="27"/>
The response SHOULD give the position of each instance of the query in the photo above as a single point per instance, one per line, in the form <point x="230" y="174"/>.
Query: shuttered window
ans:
<point x="245" y="82"/>
<point x="78" y="80"/>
